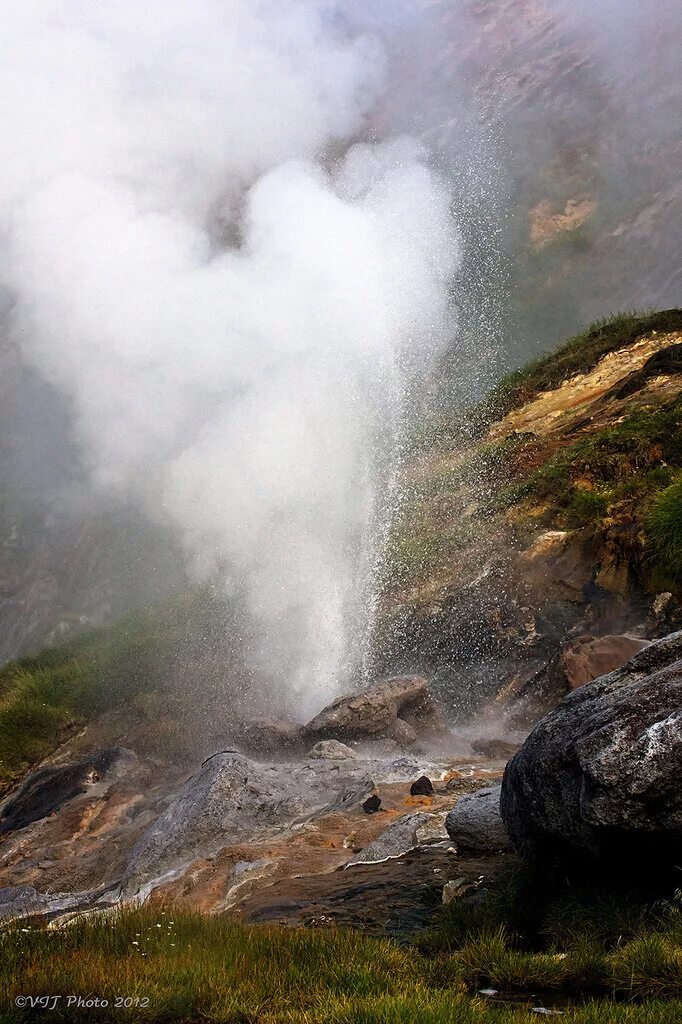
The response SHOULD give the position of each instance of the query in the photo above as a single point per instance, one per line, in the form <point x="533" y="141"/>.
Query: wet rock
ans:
<point x="48" y="788"/>
<point x="24" y="901"/>
<point x="20" y="901"/>
<point x="403" y="733"/>
<point x="357" y="792"/>
<point x="372" y="804"/>
<point x="332" y="750"/>
<point x="433" y="830"/>
<point x="475" y="822"/>
<point x="599" y="776"/>
<point x="382" y="710"/>
<point x="399" y="838"/>
<point x="267" y="736"/>
<point x="588" y="657"/>
<point x="495" y="749"/>
<point x="422" y="787"/>
<point x="232" y="799"/>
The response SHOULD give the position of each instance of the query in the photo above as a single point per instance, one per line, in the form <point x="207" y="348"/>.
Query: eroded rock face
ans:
<point x="402" y="708"/>
<point x="475" y="822"/>
<point x="600" y="775"/>
<point x="48" y="788"/>
<point x="231" y="799"/>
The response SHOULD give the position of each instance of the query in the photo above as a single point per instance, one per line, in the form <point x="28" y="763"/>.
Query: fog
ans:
<point x="231" y="290"/>
<point x="240" y="241"/>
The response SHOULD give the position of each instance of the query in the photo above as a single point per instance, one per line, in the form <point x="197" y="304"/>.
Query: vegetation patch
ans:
<point x="579" y="355"/>
<point x="172" y="965"/>
<point x="44" y="698"/>
<point x="630" y="461"/>
<point x="664" y="530"/>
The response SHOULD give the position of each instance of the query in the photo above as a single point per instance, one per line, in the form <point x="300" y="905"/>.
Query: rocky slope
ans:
<point x="540" y="547"/>
<point x="301" y="836"/>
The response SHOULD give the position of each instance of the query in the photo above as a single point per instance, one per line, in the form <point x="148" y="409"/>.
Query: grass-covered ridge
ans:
<point x="579" y="354"/>
<point x="46" y="697"/>
<point x="178" y="966"/>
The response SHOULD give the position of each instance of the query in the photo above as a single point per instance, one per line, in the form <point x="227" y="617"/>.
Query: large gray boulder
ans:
<point x="475" y="822"/>
<point x="600" y="775"/>
<point x="401" y="708"/>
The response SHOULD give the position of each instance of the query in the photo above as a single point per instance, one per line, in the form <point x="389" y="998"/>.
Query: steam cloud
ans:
<point x="230" y="288"/>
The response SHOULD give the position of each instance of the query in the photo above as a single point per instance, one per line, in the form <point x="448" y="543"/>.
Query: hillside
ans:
<point x="549" y="513"/>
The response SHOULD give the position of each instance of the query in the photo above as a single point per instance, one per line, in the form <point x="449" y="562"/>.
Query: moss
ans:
<point x="579" y="355"/>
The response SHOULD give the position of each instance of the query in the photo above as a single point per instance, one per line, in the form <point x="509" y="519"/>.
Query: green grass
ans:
<point x="579" y="355"/>
<point x="193" y="968"/>
<point x="664" y="529"/>
<point x="44" y="698"/>
<point x="538" y="932"/>
<point x="633" y="460"/>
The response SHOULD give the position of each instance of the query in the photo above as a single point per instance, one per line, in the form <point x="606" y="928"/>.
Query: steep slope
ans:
<point x="549" y="513"/>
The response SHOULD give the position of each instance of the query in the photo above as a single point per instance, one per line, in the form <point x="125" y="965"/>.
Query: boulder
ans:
<point x="475" y="822"/>
<point x="599" y="777"/>
<point x="402" y="708"/>
<point x="372" y="804"/>
<point x="332" y="750"/>
<point x="589" y="657"/>
<point x="266" y="736"/>
<point x="422" y="787"/>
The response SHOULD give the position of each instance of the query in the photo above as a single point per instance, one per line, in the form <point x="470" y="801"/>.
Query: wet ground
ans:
<point x="396" y="897"/>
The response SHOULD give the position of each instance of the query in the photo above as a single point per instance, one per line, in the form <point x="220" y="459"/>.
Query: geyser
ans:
<point x="234" y="285"/>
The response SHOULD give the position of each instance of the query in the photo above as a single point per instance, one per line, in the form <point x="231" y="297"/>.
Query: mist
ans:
<point x="244" y="247"/>
<point x="232" y="283"/>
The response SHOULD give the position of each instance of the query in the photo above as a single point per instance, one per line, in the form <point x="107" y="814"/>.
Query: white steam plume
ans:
<point x="233" y="310"/>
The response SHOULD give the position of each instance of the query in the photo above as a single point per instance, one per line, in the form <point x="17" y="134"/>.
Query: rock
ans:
<point x="495" y="749"/>
<point x="665" y="615"/>
<point x="20" y="901"/>
<point x="358" y="791"/>
<point x="453" y="889"/>
<point x="267" y="736"/>
<point x="332" y="750"/>
<point x="25" y="901"/>
<point x="433" y="830"/>
<point x="399" y="838"/>
<point x="382" y="710"/>
<point x="587" y="658"/>
<point x="372" y="804"/>
<point x="45" y="790"/>
<point x="599" y="777"/>
<point x="233" y="799"/>
<point x="475" y="822"/>
<point x="422" y="787"/>
<point x="403" y="733"/>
